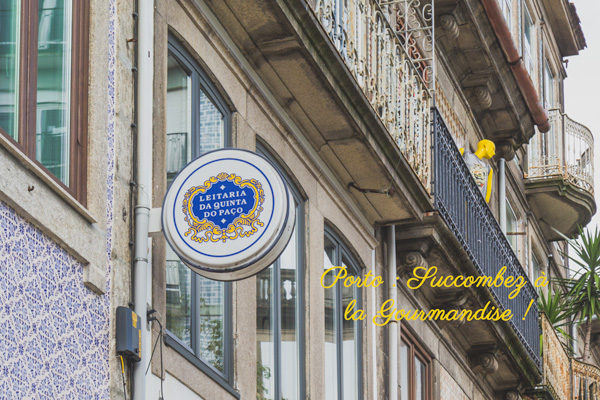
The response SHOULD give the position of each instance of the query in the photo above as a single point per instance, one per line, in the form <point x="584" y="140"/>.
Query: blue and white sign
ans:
<point x="228" y="214"/>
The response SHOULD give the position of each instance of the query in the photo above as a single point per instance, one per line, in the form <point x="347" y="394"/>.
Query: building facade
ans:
<point x="366" y="109"/>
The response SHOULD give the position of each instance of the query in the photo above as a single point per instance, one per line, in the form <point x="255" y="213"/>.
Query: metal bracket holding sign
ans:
<point x="155" y="222"/>
<point x="228" y="214"/>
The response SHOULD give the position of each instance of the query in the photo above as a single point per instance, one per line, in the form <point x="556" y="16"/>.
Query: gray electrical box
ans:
<point x="129" y="334"/>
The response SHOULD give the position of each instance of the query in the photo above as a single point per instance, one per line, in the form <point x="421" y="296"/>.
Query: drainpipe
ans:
<point x="145" y="74"/>
<point x="575" y="340"/>
<point x="393" y="325"/>
<point x="373" y="329"/>
<point x="529" y="254"/>
<point x="539" y="115"/>
<point x="502" y="193"/>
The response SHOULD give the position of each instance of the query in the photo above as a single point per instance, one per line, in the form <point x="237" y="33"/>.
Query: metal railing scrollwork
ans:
<point x="567" y="151"/>
<point x="460" y="203"/>
<point x="388" y="46"/>
<point x="586" y="381"/>
<point x="565" y="377"/>
<point x="396" y="84"/>
<point x="557" y="377"/>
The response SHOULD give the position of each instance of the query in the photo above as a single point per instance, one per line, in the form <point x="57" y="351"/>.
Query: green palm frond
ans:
<point x="555" y="308"/>
<point x="582" y="292"/>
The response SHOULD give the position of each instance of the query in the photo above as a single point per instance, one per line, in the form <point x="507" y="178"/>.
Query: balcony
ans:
<point x="362" y="92"/>
<point x="376" y="51"/>
<point x="561" y="176"/>
<point x="565" y="378"/>
<point x="351" y="93"/>
<point x="399" y="89"/>
<point x="463" y="208"/>
<point x="471" y="50"/>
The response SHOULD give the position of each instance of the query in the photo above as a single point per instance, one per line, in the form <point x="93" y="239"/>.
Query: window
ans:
<point x="415" y="369"/>
<point x="536" y="269"/>
<point x="528" y="39"/>
<point x="343" y="357"/>
<point x="548" y="93"/>
<point x="562" y="254"/>
<point x="198" y="309"/>
<point x="43" y="90"/>
<point x="512" y="227"/>
<point x="280" y="318"/>
<point x="506" y="6"/>
<point x="548" y="140"/>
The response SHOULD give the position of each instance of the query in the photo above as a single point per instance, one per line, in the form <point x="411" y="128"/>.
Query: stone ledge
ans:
<point x="65" y="221"/>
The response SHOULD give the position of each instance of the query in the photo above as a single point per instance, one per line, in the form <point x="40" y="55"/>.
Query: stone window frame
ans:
<point x="343" y="250"/>
<point x="415" y="349"/>
<point x="27" y="94"/>
<point x="78" y="227"/>
<point x="201" y="81"/>
<point x="300" y="200"/>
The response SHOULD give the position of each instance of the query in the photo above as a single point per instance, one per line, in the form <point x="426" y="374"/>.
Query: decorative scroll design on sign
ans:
<point x="225" y="208"/>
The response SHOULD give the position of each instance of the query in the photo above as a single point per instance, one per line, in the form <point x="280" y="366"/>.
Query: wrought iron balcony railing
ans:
<point x="586" y="381"/>
<point x="566" y="151"/>
<point x="564" y="377"/>
<point x="377" y="56"/>
<point x="460" y="203"/>
<point x="388" y="65"/>
<point x="556" y="374"/>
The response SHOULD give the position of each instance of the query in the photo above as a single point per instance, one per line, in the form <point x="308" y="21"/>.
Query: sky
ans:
<point x="582" y="86"/>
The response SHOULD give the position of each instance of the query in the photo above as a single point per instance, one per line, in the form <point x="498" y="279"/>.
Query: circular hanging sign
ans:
<point x="228" y="214"/>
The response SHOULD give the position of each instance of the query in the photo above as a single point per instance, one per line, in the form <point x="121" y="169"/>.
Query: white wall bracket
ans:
<point x="155" y="223"/>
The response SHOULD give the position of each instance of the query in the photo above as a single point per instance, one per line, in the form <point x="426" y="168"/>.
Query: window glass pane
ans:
<point x="9" y="66"/>
<point x="535" y="266"/>
<point x="506" y="11"/>
<point x="528" y="28"/>
<point x="278" y="327"/>
<point x="511" y="227"/>
<point x="403" y="371"/>
<point x="54" y="87"/>
<point x="548" y="86"/>
<point x="179" y="299"/>
<point x="420" y="379"/>
<point x="265" y="327"/>
<point x="561" y="250"/>
<point x="290" y="349"/>
<point x="179" y="121"/>
<point x="212" y="126"/>
<point x="331" y="378"/>
<point x="350" y="365"/>
<point x="179" y="276"/>
<point x="204" y="313"/>
<point x="211" y="309"/>
<point x="527" y="40"/>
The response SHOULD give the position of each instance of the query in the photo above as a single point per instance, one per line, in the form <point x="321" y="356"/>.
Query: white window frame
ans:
<point x="528" y="44"/>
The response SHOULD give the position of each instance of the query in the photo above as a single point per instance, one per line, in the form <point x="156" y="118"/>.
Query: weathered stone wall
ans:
<point x="53" y="330"/>
<point x="449" y="389"/>
<point x="56" y="256"/>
